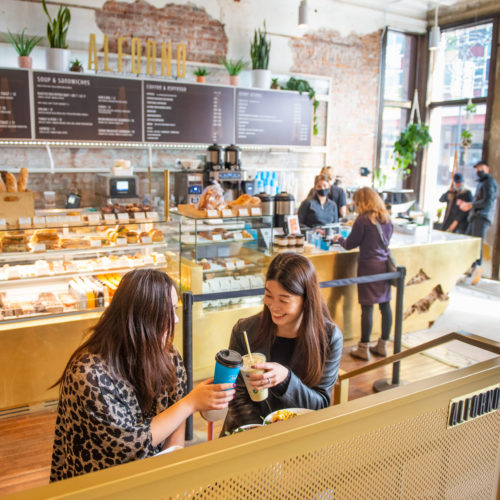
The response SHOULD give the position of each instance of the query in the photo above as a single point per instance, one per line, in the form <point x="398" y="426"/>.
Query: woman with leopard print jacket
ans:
<point x="123" y="392"/>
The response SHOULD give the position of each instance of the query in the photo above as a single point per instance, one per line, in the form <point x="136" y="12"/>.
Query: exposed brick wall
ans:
<point x="353" y="64"/>
<point x="204" y="36"/>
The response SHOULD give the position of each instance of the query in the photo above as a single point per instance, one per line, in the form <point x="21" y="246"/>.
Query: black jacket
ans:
<point x="312" y="213"/>
<point x="453" y="212"/>
<point x="242" y="410"/>
<point x="484" y="201"/>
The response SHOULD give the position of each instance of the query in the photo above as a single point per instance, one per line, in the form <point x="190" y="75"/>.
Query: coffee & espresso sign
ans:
<point x="138" y="49"/>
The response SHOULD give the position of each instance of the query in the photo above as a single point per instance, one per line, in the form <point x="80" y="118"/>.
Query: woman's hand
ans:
<point x="209" y="396"/>
<point x="336" y="237"/>
<point x="273" y="375"/>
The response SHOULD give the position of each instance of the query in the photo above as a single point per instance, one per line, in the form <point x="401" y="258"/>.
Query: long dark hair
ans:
<point x="134" y="335"/>
<point x="297" y="276"/>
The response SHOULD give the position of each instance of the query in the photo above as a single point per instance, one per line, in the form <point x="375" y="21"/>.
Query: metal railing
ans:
<point x="188" y="300"/>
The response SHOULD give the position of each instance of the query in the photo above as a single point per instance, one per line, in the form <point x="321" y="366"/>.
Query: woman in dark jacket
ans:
<point x="301" y="343"/>
<point x="372" y="260"/>
<point x="317" y="209"/>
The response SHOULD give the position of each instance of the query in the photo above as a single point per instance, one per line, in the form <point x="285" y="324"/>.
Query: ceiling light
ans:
<point x="303" y="14"/>
<point x="435" y="33"/>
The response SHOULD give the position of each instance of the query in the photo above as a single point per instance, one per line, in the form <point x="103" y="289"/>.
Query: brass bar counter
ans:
<point x="33" y="353"/>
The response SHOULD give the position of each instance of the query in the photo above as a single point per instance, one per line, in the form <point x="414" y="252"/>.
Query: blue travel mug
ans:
<point x="227" y="367"/>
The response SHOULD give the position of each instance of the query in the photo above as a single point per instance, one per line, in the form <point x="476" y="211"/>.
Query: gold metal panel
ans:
<point x="390" y="445"/>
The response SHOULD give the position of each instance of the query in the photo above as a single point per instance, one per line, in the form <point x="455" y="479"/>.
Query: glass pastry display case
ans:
<point x="223" y="254"/>
<point x="67" y="264"/>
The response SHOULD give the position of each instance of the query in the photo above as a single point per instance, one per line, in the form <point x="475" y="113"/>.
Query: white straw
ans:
<point x="248" y="346"/>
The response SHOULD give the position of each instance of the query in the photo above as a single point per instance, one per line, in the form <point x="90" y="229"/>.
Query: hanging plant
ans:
<point x="303" y="86"/>
<point x="466" y="135"/>
<point x="412" y="138"/>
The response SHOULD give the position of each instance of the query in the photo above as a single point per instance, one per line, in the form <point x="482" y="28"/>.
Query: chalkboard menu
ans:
<point x="273" y="117"/>
<point x="176" y="112"/>
<point x="72" y="106"/>
<point x="15" y="121"/>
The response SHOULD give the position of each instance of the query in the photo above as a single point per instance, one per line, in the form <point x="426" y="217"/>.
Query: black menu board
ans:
<point x="15" y="122"/>
<point x="177" y="112"/>
<point x="272" y="117"/>
<point x="72" y="106"/>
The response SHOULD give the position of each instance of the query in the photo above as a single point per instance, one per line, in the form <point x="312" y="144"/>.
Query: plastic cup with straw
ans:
<point x="246" y="371"/>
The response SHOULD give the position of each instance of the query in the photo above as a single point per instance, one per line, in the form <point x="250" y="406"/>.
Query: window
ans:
<point x="399" y="84"/>
<point x="460" y="74"/>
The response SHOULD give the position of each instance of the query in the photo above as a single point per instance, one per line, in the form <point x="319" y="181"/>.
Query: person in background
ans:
<point x="482" y="212"/>
<point x="297" y="335"/>
<point x="317" y="209"/>
<point x="372" y="260"/>
<point x="455" y="219"/>
<point x="123" y="392"/>
<point x="336" y="193"/>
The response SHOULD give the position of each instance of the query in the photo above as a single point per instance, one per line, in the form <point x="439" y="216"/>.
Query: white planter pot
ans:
<point x="261" y="78"/>
<point x="57" y="59"/>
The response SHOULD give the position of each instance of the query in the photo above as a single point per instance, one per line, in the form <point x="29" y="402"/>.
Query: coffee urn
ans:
<point x="266" y="203"/>
<point x="284" y="204"/>
<point x="214" y="157"/>
<point x="232" y="157"/>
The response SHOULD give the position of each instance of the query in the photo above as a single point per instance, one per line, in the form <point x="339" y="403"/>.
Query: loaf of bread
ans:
<point x="22" y="180"/>
<point x="10" y="182"/>
<point x="3" y="188"/>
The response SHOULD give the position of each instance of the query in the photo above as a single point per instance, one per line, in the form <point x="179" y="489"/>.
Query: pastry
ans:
<point x="22" y="180"/>
<point x="211" y="199"/>
<point x="156" y="235"/>
<point x="132" y="237"/>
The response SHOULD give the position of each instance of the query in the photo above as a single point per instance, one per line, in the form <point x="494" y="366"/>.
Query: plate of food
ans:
<point x="284" y="414"/>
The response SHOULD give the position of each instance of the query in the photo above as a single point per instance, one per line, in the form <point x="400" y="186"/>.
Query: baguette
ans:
<point x="22" y="180"/>
<point x="10" y="182"/>
<point x="3" y="188"/>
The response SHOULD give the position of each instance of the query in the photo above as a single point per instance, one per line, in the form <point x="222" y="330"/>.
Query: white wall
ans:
<point x="240" y="19"/>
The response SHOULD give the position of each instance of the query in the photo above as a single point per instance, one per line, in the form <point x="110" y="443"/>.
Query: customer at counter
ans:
<point x="317" y="209"/>
<point x="372" y="260"/>
<point x="123" y="392"/>
<point x="297" y="335"/>
<point x="455" y="220"/>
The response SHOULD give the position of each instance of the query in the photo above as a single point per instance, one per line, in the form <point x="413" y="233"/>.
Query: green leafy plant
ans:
<point x="466" y="134"/>
<point x="234" y="68"/>
<point x="76" y="65"/>
<point x="23" y="45"/>
<point x="57" y="28"/>
<point x="412" y="138"/>
<point x="260" y="49"/>
<point x="201" y="72"/>
<point x="379" y="179"/>
<point x="274" y="83"/>
<point x="304" y="86"/>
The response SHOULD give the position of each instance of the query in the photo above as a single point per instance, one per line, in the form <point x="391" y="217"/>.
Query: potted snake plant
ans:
<point x="57" y="29"/>
<point x="260" y="49"/>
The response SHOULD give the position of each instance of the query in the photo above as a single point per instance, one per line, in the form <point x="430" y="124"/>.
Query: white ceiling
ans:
<point x="416" y="9"/>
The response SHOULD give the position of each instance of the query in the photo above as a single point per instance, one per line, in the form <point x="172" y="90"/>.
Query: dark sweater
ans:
<point x="485" y="198"/>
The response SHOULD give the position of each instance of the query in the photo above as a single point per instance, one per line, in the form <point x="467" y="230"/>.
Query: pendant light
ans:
<point x="303" y="14"/>
<point x="435" y="33"/>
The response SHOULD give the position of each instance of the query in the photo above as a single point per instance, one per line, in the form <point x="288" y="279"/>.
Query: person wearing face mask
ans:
<point x="455" y="220"/>
<point x="123" y="392"/>
<point x="335" y="193"/>
<point x="318" y="209"/>
<point x="482" y="212"/>
<point x="297" y="335"/>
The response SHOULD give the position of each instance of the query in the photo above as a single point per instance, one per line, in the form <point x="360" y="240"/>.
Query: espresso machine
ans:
<point x="188" y="187"/>
<point x="227" y="172"/>
<point x="111" y="189"/>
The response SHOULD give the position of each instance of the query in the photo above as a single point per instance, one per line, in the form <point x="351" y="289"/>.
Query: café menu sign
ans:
<point x="15" y="118"/>
<point x="176" y="112"/>
<point x="70" y="106"/>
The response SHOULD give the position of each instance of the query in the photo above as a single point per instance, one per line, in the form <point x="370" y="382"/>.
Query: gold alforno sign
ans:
<point x="136" y="53"/>
<point x="476" y="404"/>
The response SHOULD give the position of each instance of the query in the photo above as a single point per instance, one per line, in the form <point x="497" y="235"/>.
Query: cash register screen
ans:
<point x="122" y="186"/>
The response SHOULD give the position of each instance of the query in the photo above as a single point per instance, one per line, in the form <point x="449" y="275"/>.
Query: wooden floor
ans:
<point x="26" y="441"/>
